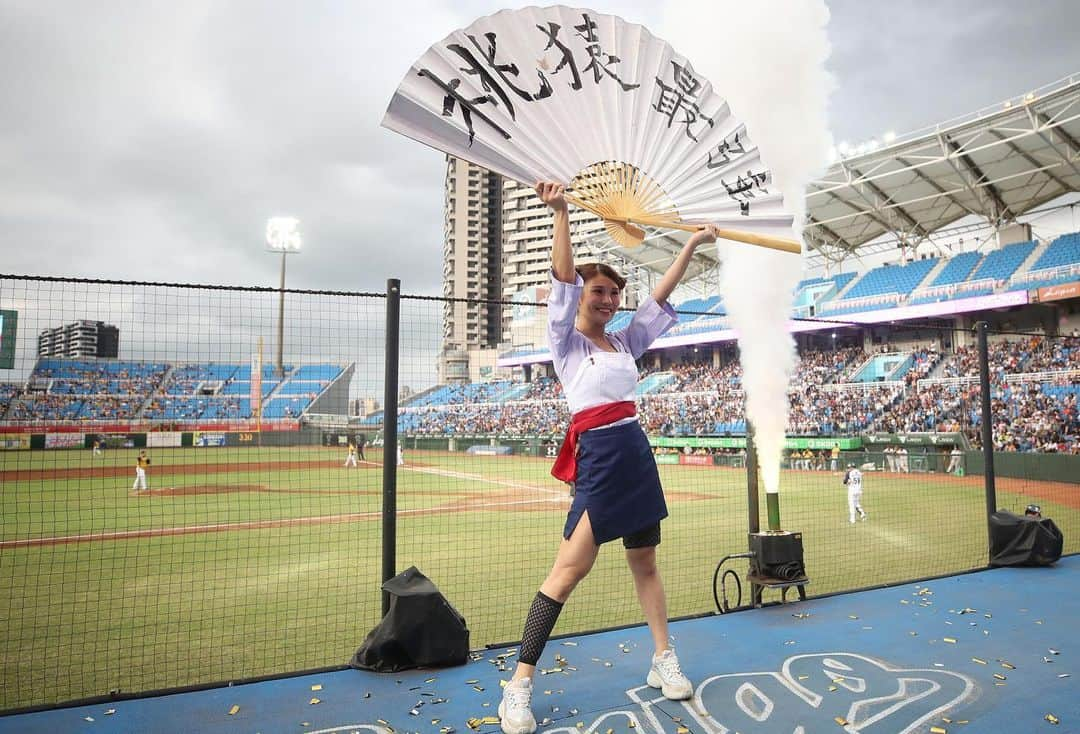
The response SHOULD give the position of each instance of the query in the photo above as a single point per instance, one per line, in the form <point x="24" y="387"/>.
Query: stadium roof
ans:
<point x="997" y="164"/>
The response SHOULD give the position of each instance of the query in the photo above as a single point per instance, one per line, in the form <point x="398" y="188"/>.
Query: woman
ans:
<point x="606" y="456"/>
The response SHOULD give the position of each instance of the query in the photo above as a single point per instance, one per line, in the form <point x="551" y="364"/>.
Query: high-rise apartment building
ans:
<point x="472" y="260"/>
<point x="498" y="248"/>
<point x="80" y="339"/>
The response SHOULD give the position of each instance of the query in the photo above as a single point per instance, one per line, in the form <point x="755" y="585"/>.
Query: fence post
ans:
<point x="390" y="438"/>
<point x="987" y="427"/>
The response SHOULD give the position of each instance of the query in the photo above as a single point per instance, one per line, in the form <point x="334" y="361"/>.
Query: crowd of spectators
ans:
<point x="1038" y="414"/>
<point x="700" y="399"/>
<point x="79" y="390"/>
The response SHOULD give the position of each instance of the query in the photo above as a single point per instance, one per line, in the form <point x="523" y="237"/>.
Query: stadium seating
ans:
<point x="107" y="390"/>
<point x="1059" y="264"/>
<point x="882" y="287"/>
<point x="1000" y="265"/>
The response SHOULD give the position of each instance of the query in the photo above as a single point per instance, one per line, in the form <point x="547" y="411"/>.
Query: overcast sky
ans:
<point x="151" y="140"/>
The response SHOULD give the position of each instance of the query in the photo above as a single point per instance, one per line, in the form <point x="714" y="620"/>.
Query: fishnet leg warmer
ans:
<point x="543" y="614"/>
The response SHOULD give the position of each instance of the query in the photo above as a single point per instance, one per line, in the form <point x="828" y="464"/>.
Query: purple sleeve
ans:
<point x="649" y="323"/>
<point x="561" y="312"/>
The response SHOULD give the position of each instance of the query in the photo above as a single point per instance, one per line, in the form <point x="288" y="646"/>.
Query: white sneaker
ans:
<point x="515" y="709"/>
<point x="666" y="675"/>
<point x="863" y="516"/>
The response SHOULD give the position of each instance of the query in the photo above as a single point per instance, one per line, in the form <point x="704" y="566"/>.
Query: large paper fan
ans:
<point x="575" y="96"/>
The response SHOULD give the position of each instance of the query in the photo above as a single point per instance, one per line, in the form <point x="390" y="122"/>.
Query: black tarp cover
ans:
<point x="1023" y="541"/>
<point x="421" y="630"/>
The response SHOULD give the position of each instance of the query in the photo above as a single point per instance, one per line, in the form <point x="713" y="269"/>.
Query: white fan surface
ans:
<point x="575" y="96"/>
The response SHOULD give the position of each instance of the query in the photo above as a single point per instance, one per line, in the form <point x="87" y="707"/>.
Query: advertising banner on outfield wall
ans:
<point x="739" y="442"/>
<point x="914" y="439"/>
<point x="64" y="440"/>
<point x="204" y="440"/>
<point x="121" y="440"/>
<point x="14" y="441"/>
<point x="164" y="439"/>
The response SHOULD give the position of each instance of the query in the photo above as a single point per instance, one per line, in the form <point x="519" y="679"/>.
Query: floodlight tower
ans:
<point x="282" y="235"/>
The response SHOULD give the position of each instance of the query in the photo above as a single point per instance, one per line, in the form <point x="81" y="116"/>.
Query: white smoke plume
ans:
<point x="767" y="57"/>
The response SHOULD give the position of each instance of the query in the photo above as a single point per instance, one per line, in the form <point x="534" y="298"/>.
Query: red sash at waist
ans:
<point x="565" y="467"/>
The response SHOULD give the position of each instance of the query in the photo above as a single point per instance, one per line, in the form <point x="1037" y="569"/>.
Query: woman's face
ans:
<point x="600" y="300"/>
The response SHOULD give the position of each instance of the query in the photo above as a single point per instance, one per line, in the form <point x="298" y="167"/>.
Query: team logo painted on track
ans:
<point x="809" y="694"/>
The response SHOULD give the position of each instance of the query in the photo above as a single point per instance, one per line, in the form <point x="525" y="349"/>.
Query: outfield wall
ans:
<point x="1033" y="467"/>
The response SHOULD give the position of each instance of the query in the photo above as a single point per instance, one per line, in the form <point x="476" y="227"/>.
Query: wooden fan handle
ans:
<point x="750" y="238"/>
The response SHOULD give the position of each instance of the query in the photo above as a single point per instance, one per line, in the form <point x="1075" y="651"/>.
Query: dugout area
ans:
<point x="991" y="651"/>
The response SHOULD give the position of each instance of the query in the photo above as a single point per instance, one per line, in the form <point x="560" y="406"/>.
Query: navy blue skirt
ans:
<point x="617" y="483"/>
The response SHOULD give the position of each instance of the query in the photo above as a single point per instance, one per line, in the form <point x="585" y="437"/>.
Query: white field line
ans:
<point x="289" y="522"/>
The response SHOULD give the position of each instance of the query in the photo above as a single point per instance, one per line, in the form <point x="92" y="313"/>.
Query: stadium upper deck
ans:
<point x="90" y="391"/>
<point x="971" y="281"/>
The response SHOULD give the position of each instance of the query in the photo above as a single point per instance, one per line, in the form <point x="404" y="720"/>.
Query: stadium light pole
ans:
<point x="282" y="235"/>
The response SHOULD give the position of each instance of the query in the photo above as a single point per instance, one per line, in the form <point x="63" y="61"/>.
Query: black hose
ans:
<point x="723" y="608"/>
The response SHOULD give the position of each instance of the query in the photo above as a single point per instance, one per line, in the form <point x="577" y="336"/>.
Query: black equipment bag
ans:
<point x="1023" y="541"/>
<point x="421" y="630"/>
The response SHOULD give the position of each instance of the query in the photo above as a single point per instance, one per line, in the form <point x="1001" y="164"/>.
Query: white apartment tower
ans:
<point x="472" y="261"/>
<point x="498" y="248"/>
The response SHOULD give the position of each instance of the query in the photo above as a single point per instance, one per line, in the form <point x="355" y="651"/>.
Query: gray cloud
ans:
<point x="152" y="140"/>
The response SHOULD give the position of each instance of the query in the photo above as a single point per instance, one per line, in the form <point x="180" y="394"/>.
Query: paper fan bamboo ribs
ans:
<point x="602" y="105"/>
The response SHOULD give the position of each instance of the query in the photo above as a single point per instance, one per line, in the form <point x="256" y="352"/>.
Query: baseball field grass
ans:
<point x="242" y="562"/>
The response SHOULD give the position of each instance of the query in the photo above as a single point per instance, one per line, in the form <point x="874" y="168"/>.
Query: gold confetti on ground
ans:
<point x="840" y="720"/>
<point x="950" y="640"/>
<point x="937" y="730"/>
<point x="980" y="661"/>
<point x="1052" y="719"/>
<point x="1008" y="666"/>
<point x="314" y="701"/>
<point x="110" y="712"/>
<point x="682" y="730"/>
<point x="999" y="676"/>
<point x="317" y="687"/>
<point x="233" y="710"/>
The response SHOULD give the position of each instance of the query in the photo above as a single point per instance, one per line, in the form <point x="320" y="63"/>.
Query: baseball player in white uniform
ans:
<point x="141" y="465"/>
<point x="853" y="480"/>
